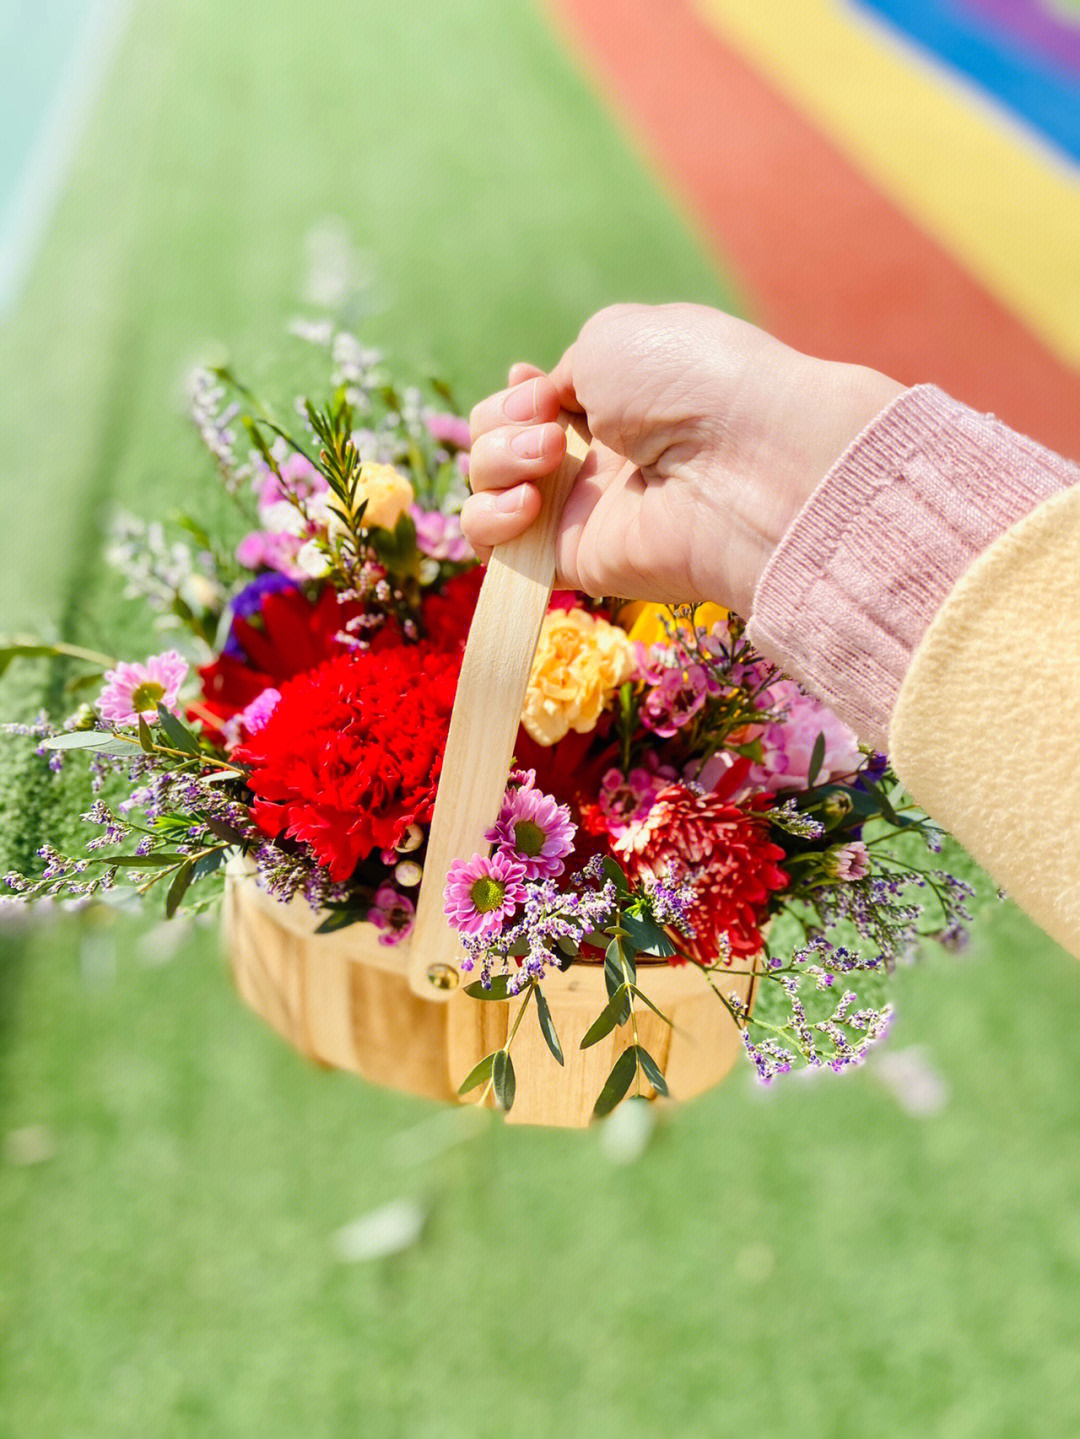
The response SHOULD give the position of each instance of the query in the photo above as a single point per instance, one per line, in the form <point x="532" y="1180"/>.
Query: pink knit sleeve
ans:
<point x="868" y="561"/>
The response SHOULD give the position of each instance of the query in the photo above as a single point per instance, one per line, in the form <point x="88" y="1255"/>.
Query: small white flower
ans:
<point x="313" y="560"/>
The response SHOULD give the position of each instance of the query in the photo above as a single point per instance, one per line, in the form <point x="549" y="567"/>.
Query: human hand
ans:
<point x="708" y="437"/>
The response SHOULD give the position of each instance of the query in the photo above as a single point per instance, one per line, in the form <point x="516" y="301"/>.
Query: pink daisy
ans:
<point x="481" y="893"/>
<point x="534" y="831"/>
<point x="132" y="690"/>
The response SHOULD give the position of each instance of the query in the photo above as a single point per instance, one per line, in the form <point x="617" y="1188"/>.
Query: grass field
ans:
<point x="819" y="1260"/>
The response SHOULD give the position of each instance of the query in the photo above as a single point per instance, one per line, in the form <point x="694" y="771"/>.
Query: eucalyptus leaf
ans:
<point x="179" y="736"/>
<point x="647" y="936"/>
<point x="498" y="988"/>
<point x="502" y="1079"/>
<point x="146" y="739"/>
<point x="208" y="863"/>
<point x="646" y="1000"/>
<point x="90" y="739"/>
<point x="159" y="860"/>
<point x="547" y="1025"/>
<point x="178" y="888"/>
<point x="617" y="1083"/>
<point x="651" y="1070"/>
<point x="338" y="919"/>
<point x="616" y="1011"/>
<point x="478" y="1075"/>
<point x="817" y="759"/>
<point x="614" y="872"/>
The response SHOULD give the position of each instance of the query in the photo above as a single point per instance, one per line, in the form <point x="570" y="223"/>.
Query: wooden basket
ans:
<point x="396" y="1014"/>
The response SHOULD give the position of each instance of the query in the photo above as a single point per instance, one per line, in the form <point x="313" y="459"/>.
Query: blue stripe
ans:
<point x="1040" y="93"/>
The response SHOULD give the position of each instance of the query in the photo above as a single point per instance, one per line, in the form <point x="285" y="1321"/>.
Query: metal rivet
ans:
<point x="443" y="976"/>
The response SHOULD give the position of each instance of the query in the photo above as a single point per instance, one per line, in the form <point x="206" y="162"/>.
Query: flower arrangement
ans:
<point x="675" y="800"/>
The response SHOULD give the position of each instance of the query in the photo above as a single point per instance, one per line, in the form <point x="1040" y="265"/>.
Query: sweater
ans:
<point x="929" y="592"/>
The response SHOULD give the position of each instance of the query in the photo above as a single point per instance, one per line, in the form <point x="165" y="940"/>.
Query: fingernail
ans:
<point x="508" y="502"/>
<point x="529" y="444"/>
<point x="520" y="403"/>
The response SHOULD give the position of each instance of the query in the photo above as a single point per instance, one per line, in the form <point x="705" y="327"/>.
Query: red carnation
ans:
<point x="727" y="855"/>
<point x="351" y="755"/>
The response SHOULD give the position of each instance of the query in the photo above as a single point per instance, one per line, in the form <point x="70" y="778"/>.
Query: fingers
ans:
<point x="532" y="402"/>
<point x="490" y="519"/>
<point x="508" y="456"/>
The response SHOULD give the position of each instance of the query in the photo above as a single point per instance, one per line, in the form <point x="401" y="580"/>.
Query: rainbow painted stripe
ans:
<point x="893" y="181"/>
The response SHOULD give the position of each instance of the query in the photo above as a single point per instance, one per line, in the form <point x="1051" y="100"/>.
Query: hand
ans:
<point x="708" y="437"/>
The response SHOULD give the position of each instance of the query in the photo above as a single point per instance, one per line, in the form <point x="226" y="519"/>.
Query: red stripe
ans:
<point x="831" y="265"/>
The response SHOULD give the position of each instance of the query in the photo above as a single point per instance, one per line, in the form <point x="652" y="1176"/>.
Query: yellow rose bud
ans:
<point x="580" y="662"/>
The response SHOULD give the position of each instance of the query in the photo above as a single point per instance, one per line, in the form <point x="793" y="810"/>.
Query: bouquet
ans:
<point x="675" y="800"/>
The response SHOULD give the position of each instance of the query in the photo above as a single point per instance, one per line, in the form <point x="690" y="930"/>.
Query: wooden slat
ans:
<point x="487" y="712"/>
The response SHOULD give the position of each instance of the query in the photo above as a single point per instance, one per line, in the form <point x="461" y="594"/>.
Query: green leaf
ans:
<point x="158" y="860"/>
<point x="338" y="919"/>
<point x="651" y="1070"/>
<point x="498" y="988"/>
<point x="614" y="872"/>
<point x="547" y="1025"/>
<point x="617" y="1083"/>
<point x="619" y="965"/>
<point x="817" y="759"/>
<point x="178" y="888"/>
<point x="646" y="1000"/>
<point x="647" y="936"/>
<point x="146" y="739"/>
<point x="89" y="739"/>
<point x="477" y="1076"/>
<point x="616" y="1011"/>
<point x="502" y="1079"/>
<point x="208" y="863"/>
<point x="179" y="736"/>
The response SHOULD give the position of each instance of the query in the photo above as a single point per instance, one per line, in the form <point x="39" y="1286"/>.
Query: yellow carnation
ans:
<point x="387" y="492"/>
<point x="580" y="662"/>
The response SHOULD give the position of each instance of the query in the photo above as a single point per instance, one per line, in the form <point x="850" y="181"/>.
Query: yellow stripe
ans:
<point x="1004" y="209"/>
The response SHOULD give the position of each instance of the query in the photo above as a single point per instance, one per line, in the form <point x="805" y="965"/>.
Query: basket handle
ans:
<point x="487" y="712"/>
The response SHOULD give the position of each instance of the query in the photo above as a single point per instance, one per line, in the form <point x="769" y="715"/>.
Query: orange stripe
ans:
<point x="833" y="267"/>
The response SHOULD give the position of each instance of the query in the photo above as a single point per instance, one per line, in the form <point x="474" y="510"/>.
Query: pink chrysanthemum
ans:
<point x="534" y="830"/>
<point x="481" y="893"/>
<point x="132" y="690"/>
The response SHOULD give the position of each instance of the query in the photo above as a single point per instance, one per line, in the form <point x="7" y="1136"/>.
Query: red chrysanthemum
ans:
<point x="351" y="755"/>
<point x="724" y="851"/>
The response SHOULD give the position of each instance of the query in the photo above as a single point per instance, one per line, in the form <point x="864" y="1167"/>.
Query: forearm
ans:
<point x="870" y="559"/>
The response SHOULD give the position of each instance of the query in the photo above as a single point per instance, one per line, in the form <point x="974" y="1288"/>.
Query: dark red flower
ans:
<point x="294" y="635"/>
<point x="725" y="852"/>
<point x="351" y="755"/>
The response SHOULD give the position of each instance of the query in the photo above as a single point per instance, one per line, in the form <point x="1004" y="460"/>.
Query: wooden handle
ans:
<point x="487" y="712"/>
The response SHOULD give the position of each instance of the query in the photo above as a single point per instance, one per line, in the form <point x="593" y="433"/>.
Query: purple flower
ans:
<point x="439" y="536"/>
<point x="627" y="799"/>
<point x="393" y="913"/>
<point x="132" y="690"/>
<point x="535" y="831"/>
<point x="481" y="893"/>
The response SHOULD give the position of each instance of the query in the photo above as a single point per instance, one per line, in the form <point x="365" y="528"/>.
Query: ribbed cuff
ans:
<point x="866" y="564"/>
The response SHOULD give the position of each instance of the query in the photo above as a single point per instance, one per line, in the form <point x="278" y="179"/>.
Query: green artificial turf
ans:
<point x="812" y="1261"/>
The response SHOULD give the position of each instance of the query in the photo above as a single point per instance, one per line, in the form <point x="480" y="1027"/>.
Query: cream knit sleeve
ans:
<point x="985" y="733"/>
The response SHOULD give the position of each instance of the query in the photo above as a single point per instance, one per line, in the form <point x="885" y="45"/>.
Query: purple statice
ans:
<point x="114" y="830"/>
<point x="768" y="1056"/>
<point x="535" y="831"/>
<point x="788" y="817"/>
<point x="672" y="900"/>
